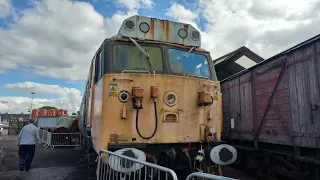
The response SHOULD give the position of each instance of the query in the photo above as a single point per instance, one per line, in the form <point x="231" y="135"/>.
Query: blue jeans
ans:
<point x="26" y="153"/>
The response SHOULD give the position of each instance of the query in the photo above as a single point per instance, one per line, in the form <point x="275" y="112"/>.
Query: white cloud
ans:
<point x="57" y="38"/>
<point x="68" y="98"/>
<point x="5" y="7"/>
<point x="135" y="4"/>
<point x="266" y="28"/>
<point x="113" y="23"/>
<point x="178" y="11"/>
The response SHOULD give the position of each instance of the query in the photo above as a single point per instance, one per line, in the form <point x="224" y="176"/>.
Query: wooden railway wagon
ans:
<point x="271" y="113"/>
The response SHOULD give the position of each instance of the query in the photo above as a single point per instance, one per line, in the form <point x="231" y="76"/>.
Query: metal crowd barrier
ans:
<point x="124" y="167"/>
<point x="45" y="138"/>
<point x="205" y="176"/>
<point x="65" y="139"/>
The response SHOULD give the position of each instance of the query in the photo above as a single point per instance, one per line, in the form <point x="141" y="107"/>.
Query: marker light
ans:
<point x="182" y="33"/>
<point x="170" y="99"/>
<point x="144" y="27"/>
<point x="123" y="96"/>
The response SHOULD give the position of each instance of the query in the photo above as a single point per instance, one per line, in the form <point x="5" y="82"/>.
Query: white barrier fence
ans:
<point x="45" y="138"/>
<point x="204" y="176"/>
<point x="66" y="139"/>
<point x="124" y="167"/>
<point x="52" y="140"/>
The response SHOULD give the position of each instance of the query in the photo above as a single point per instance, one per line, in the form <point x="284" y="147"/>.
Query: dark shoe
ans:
<point x="21" y="167"/>
<point x="27" y="169"/>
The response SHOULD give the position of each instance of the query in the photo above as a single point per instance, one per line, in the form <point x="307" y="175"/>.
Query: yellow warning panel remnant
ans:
<point x="112" y="90"/>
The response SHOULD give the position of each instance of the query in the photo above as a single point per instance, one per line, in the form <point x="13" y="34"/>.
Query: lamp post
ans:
<point x="32" y="93"/>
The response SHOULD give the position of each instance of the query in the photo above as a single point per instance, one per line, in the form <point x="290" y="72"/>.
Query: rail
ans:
<point x="65" y="139"/>
<point x="124" y="167"/>
<point x="136" y="71"/>
<point x="204" y="176"/>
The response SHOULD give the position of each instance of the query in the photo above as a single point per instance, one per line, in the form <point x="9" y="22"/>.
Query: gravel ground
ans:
<point x="53" y="164"/>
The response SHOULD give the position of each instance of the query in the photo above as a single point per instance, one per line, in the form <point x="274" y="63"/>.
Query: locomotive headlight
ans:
<point x="182" y="33"/>
<point x="195" y="35"/>
<point x="129" y="25"/>
<point x="170" y="98"/>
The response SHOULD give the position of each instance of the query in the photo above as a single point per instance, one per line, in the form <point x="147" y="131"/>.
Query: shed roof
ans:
<point x="235" y="62"/>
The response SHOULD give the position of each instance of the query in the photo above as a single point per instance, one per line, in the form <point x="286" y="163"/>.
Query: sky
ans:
<point x="46" y="46"/>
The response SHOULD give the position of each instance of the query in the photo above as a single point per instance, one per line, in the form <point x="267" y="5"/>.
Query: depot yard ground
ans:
<point x="53" y="164"/>
<point x="58" y="164"/>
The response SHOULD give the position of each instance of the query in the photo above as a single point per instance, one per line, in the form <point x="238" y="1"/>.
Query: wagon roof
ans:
<point x="302" y="44"/>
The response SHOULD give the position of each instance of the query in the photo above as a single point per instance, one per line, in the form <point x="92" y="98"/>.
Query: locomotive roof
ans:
<point x="147" y="28"/>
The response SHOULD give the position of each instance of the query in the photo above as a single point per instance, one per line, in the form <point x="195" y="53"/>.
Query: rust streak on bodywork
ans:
<point x="167" y="30"/>
<point x="163" y="24"/>
<point x="152" y="28"/>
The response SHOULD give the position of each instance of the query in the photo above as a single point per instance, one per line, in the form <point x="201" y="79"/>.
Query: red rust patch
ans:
<point x="186" y="27"/>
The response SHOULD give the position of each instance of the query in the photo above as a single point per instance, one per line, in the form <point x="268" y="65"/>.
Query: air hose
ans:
<point x="156" y="126"/>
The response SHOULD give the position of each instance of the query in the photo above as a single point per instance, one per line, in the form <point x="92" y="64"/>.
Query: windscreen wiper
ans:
<point x="142" y="50"/>
<point x="186" y="54"/>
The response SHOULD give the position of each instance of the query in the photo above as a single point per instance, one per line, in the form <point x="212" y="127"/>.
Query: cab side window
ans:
<point x="98" y="67"/>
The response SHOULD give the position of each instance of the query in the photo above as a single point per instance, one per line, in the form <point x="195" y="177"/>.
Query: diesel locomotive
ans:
<point x="151" y="88"/>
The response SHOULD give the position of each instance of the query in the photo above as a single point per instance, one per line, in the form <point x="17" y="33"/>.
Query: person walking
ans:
<point x="27" y="142"/>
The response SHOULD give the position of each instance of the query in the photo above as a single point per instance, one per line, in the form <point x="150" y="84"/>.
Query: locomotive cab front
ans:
<point x="153" y="89"/>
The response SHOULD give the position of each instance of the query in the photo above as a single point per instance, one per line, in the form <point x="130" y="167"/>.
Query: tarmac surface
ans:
<point x="53" y="164"/>
<point x="59" y="164"/>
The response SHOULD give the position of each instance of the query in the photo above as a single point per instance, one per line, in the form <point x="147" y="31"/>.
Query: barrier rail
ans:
<point x="2" y="147"/>
<point x="124" y="167"/>
<point x="65" y="139"/>
<point x="45" y="138"/>
<point x="204" y="176"/>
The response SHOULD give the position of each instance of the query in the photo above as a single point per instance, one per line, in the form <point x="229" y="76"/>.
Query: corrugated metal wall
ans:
<point x="276" y="101"/>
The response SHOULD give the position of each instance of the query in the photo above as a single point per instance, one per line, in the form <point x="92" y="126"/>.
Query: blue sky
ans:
<point x="46" y="45"/>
